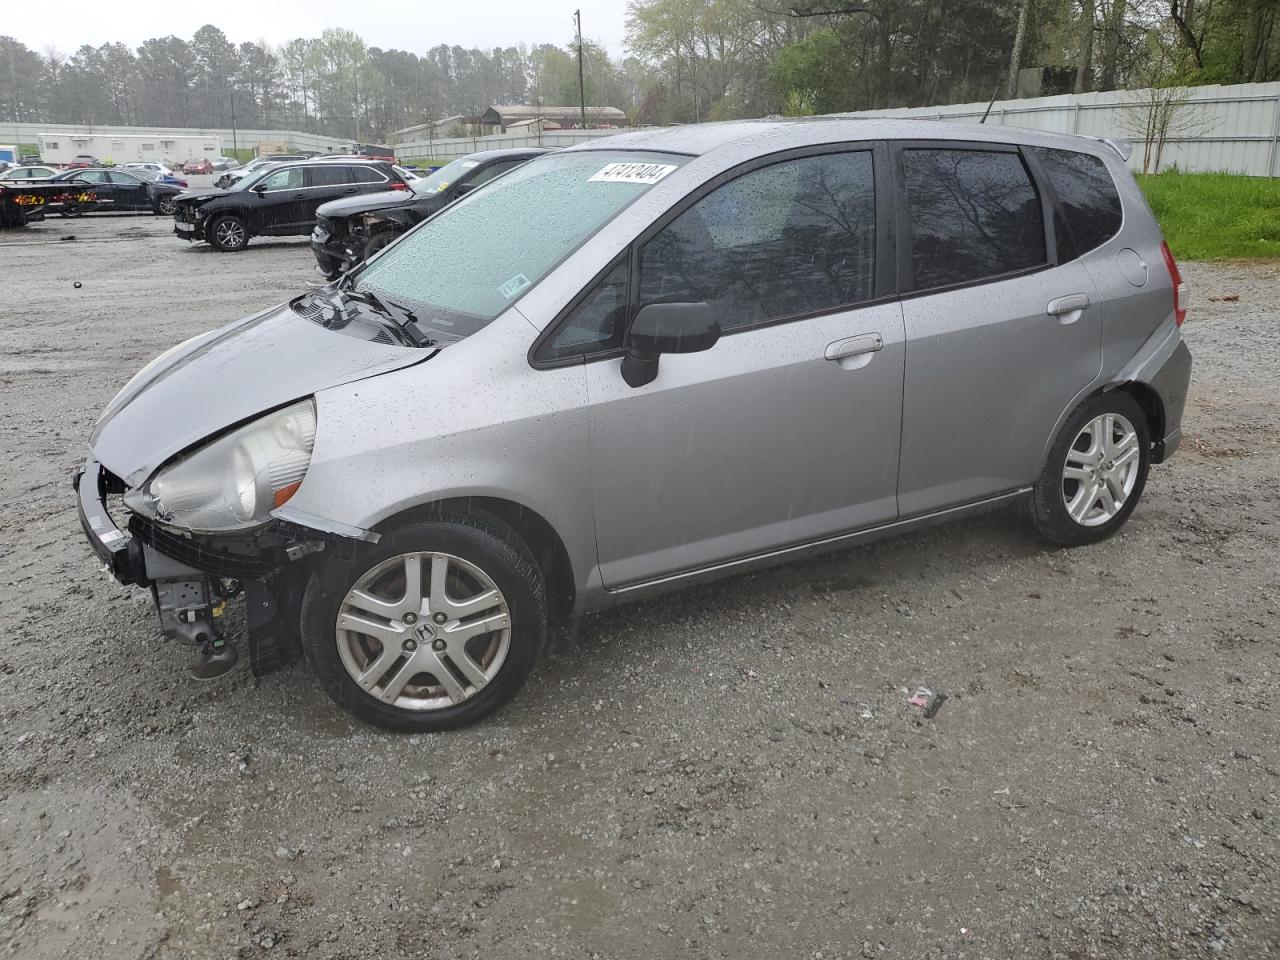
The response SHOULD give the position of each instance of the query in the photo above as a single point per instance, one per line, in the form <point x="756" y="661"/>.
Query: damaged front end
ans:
<point x="193" y="466"/>
<point x="192" y="576"/>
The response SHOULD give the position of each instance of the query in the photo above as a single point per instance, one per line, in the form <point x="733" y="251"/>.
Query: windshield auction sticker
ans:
<point x="514" y="285"/>
<point x="632" y="173"/>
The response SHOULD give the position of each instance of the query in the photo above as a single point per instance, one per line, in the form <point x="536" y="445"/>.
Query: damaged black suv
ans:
<point x="280" y="201"/>
<point x="351" y="230"/>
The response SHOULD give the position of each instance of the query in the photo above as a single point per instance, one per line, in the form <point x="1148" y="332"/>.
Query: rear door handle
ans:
<point x="1068" y="309"/>
<point x="351" y="190"/>
<point x="854" y="352"/>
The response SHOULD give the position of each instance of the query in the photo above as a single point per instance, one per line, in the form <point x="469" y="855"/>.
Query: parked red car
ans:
<point x="198" y="166"/>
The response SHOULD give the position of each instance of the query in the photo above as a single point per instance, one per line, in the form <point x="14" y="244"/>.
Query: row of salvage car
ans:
<point x="350" y="207"/>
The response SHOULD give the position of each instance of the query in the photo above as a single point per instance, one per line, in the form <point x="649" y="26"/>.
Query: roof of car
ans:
<point x="507" y="153"/>
<point x="780" y="132"/>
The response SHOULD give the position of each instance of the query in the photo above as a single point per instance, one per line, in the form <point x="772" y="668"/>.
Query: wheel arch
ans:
<point x="1142" y="393"/>
<point x="1152" y="408"/>
<point x="537" y="533"/>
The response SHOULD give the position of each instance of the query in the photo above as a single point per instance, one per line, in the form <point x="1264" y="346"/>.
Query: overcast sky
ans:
<point x="403" y="26"/>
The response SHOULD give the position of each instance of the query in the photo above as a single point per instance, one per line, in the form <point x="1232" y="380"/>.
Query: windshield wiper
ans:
<point x="402" y="317"/>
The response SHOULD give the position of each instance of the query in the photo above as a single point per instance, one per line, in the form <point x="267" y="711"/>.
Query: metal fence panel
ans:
<point x="1233" y="128"/>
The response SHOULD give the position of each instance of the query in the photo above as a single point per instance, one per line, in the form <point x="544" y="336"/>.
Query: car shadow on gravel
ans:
<point x="870" y="568"/>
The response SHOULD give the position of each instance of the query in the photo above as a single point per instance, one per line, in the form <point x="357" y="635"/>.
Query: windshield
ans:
<point x="463" y="267"/>
<point x="439" y="181"/>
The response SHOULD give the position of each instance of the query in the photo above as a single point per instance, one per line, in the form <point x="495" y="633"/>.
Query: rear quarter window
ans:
<point x="1090" y="203"/>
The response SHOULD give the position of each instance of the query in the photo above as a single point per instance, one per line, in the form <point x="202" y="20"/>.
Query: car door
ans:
<point x="98" y="184"/>
<point x="325" y="182"/>
<point x="280" y="202"/>
<point x="130" y="191"/>
<point x="1002" y="336"/>
<point x="787" y="430"/>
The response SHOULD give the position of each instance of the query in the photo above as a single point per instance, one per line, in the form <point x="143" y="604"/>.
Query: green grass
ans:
<point x="1216" y="216"/>
<point x="423" y="161"/>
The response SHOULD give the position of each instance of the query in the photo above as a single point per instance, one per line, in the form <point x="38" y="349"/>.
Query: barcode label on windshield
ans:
<point x="632" y="173"/>
<point x="514" y="285"/>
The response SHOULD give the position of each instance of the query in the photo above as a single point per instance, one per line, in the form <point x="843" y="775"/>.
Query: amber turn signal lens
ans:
<point x="284" y="493"/>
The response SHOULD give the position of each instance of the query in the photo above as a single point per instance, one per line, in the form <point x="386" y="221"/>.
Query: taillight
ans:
<point x="399" y="186"/>
<point x="1179" y="285"/>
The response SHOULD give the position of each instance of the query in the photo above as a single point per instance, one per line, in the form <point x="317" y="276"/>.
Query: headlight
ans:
<point x="236" y="481"/>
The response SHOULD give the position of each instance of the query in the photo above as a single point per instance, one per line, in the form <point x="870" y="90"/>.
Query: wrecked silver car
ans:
<point x="638" y="364"/>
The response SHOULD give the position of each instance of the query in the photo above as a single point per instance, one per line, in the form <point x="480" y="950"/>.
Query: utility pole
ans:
<point x="582" y="92"/>
<point x="235" y="141"/>
<point x="356" y="110"/>
<point x="13" y="85"/>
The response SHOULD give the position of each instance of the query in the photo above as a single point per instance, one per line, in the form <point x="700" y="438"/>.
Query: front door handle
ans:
<point x="299" y="196"/>
<point x="350" y="190"/>
<point x="1068" y="309"/>
<point x="854" y="352"/>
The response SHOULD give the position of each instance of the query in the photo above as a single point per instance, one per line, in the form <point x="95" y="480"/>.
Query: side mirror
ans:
<point x="666" y="328"/>
<point x="260" y="188"/>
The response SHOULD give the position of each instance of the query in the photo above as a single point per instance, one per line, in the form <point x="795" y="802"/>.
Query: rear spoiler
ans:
<point x="1123" y="147"/>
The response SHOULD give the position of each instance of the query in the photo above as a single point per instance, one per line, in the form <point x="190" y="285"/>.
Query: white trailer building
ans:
<point x="121" y="148"/>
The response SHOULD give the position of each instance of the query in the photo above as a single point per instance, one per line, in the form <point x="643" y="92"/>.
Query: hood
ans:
<point x="199" y="196"/>
<point x="368" y="203"/>
<point x="228" y="376"/>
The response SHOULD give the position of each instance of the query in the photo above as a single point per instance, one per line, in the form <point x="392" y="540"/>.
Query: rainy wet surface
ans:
<point x="733" y="771"/>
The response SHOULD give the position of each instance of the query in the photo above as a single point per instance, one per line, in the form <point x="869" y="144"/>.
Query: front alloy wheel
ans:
<point x="423" y="649"/>
<point x="229" y="234"/>
<point x="435" y="627"/>
<point x="167" y="206"/>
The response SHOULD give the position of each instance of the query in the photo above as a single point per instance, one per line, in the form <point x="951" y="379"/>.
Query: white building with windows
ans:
<point x="123" y="147"/>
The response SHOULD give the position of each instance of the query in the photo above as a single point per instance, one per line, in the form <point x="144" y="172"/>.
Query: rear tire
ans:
<point x="378" y="647"/>
<point x="1095" y="473"/>
<point x="228" y="234"/>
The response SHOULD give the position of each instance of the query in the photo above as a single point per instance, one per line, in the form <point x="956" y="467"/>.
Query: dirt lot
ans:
<point x="730" y="772"/>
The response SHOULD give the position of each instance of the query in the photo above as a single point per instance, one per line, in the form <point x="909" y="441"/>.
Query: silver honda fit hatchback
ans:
<point x="634" y="365"/>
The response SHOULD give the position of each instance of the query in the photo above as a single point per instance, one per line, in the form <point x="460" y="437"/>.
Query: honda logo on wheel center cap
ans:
<point x="425" y="632"/>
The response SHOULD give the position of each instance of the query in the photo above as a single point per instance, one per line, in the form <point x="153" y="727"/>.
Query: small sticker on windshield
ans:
<point x="514" y="285"/>
<point x="632" y="173"/>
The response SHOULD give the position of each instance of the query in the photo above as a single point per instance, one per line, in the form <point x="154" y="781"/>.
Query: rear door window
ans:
<point x="972" y="215"/>
<point x="328" y="175"/>
<point x="787" y="240"/>
<point x="1087" y="193"/>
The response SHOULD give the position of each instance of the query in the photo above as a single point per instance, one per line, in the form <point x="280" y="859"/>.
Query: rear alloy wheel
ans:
<point x="1096" y="471"/>
<point x="71" y="210"/>
<point x="168" y="206"/>
<point x="228" y="234"/>
<point x="436" y="628"/>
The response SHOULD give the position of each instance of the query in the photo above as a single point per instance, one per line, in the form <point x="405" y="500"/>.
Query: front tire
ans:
<point x="435" y="628"/>
<point x="167" y="206"/>
<point x="228" y="234"/>
<point x="377" y="242"/>
<point x="1095" y="473"/>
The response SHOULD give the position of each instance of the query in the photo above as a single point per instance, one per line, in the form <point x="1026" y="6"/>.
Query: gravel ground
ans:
<point x="730" y="772"/>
